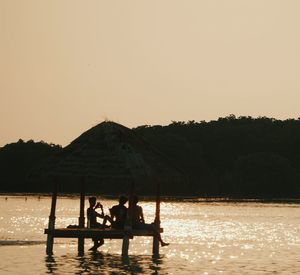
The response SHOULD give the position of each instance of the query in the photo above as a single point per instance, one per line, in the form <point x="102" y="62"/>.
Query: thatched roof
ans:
<point x="111" y="153"/>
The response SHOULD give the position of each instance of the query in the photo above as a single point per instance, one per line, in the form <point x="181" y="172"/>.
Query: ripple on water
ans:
<point x="205" y="238"/>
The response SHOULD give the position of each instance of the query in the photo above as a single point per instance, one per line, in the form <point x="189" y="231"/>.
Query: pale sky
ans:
<point x="66" y="65"/>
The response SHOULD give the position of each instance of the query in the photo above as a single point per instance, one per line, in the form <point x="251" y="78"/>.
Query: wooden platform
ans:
<point x="97" y="233"/>
<point x="81" y="232"/>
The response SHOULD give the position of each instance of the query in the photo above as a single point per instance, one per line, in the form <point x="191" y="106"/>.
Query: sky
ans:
<point x="67" y="65"/>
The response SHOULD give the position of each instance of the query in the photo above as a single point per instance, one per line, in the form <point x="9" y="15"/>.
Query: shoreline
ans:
<point x="166" y="198"/>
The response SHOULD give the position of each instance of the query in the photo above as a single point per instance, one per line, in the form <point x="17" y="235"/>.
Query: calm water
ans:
<point x="206" y="238"/>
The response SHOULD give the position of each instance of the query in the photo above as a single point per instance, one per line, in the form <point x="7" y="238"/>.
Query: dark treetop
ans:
<point x="241" y="157"/>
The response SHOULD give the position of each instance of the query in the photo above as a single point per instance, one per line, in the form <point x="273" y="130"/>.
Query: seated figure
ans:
<point x="139" y="221"/>
<point x="119" y="213"/>
<point x="92" y="216"/>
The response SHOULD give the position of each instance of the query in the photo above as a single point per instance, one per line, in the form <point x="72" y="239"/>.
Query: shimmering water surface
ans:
<point x="206" y="238"/>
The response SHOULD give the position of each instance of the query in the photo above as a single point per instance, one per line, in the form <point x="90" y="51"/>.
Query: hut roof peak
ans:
<point x="106" y="131"/>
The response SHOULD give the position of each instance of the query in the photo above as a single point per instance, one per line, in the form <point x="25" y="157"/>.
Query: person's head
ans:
<point x="122" y="200"/>
<point x="92" y="201"/>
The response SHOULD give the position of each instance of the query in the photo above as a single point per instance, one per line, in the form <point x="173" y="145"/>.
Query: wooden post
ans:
<point x="128" y="224"/>
<point x="51" y="224"/>
<point x="155" y="247"/>
<point x="125" y="245"/>
<point x="81" y="219"/>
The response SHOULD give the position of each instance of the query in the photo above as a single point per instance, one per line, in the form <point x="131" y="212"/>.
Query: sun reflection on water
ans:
<point x="205" y="238"/>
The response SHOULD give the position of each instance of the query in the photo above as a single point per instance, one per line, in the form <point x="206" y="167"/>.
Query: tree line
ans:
<point x="242" y="157"/>
<point x="233" y="156"/>
<point x="18" y="159"/>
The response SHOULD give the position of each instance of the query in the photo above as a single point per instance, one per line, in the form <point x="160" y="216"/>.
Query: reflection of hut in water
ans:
<point x="108" y="158"/>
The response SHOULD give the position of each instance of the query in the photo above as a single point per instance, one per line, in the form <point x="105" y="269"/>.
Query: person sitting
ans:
<point x="92" y="216"/>
<point x="119" y="213"/>
<point x="138" y="221"/>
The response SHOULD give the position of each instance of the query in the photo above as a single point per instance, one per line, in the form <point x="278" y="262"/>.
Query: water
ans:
<point x="206" y="238"/>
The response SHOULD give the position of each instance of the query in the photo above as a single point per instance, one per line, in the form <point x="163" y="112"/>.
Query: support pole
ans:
<point x="155" y="247"/>
<point x="125" y="245"/>
<point x="81" y="219"/>
<point x="51" y="224"/>
<point x="128" y="224"/>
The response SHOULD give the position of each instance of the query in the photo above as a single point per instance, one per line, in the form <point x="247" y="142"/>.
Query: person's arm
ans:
<point x="99" y="215"/>
<point x="102" y="212"/>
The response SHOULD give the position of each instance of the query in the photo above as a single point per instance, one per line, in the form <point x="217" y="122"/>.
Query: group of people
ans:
<point x="117" y="218"/>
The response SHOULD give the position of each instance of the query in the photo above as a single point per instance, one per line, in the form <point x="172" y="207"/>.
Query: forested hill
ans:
<point x="18" y="159"/>
<point x="241" y="157"/>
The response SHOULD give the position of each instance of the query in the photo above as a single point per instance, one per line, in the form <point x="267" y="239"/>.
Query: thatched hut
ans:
<point x="107" y="158"/>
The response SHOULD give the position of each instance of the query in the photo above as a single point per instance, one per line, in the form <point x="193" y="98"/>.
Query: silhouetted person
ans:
<point x="119" y="213"/>
<point x="92" y="216"/>
<point x="138" y="221"/>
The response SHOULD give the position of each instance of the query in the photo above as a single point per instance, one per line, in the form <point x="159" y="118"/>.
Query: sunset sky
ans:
<point x="67" y="65"/>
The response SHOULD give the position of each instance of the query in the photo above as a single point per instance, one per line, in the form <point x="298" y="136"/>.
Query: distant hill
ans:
<point x="16" y="161"/>
<point x="240" y="157"/>
<point x="237" y="157"/>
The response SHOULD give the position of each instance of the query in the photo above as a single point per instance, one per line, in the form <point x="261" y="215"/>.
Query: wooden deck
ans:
<point x="97" y="233"/>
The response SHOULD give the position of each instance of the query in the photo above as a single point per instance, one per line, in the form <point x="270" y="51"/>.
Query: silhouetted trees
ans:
<point x="265" y="175"/>
<point x="17" y="160"/>
<point x="232" y="156"/>
<point x="237" y="157"/>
